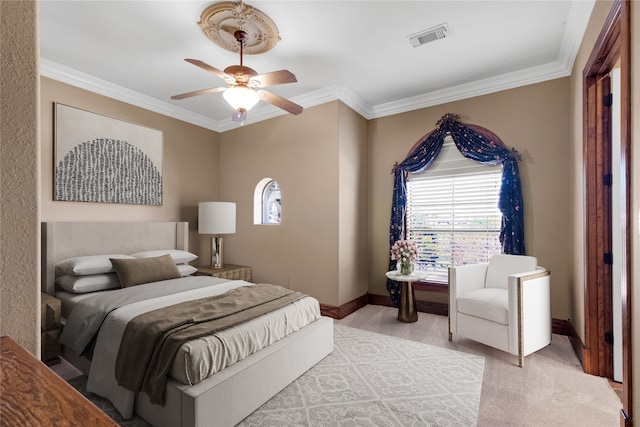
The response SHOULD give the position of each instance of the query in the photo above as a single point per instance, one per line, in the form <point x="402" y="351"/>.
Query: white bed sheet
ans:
<point x="101" y="378"/>
<point x="69" y="300"/>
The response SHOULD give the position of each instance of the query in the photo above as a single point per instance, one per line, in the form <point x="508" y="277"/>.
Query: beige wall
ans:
<point x="190" y="165"/>
<point x="533" y="119"/>
<point x="318" y="160"/>
<point x="352" y="201"/>
<point x="300" y="152"/>
<point x="19" y="185"/>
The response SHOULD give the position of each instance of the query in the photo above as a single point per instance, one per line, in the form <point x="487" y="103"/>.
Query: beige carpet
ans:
<point x="551" y="389"/>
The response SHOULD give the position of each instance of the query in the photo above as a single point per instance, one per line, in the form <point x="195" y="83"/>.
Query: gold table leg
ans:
<point x="407" y="310"/>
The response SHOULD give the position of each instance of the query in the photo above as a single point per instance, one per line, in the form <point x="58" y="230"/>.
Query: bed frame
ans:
<point x="227" y="397"/>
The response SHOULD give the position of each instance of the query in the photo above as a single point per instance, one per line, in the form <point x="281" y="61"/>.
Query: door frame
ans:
<point x="612" y="47"/>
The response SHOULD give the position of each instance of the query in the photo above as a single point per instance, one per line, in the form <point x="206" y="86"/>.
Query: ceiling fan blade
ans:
<point x="210" y="69"/>
<point x="274" y="78"/>
<point x="280" y="102"/>
<point x="198" y="92"/>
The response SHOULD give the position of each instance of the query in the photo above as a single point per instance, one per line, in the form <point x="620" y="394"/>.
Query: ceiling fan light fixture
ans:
<point x="240" y="115"/>
<point x="241" y="97"/>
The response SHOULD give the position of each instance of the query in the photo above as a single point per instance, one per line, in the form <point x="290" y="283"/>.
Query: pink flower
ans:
<point x="404" y="250"/>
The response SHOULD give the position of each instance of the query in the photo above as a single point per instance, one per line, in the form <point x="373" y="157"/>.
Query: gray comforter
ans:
<point x="86" y="317"/>
<point x="151" y="340"/>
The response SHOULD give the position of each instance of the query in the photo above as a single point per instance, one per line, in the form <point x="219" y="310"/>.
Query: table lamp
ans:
<point x="216" y="218"/>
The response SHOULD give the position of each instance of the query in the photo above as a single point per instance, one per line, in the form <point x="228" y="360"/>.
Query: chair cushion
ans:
<point x="502" y="266"/>
<point x="488" y="303"/>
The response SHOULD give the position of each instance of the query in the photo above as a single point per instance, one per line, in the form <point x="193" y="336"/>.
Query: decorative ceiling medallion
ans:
<point x="219" y="22"/>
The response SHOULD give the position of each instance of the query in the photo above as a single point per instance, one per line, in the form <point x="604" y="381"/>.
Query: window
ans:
<point x="271" y="203"/>
<point x="267" y="202"/>
<point x="452" y="212"/>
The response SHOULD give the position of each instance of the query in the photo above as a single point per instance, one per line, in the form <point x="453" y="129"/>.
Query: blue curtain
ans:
<point x="476" y="143"/>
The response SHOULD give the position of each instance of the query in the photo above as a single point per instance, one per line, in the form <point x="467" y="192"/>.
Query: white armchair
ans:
<point x="504" y="304"/>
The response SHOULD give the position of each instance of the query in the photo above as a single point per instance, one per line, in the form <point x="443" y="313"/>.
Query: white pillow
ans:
<point x="88" y="265"/>
<point x="186" y="269"/>
<point x="93" y="283"/>
<point x="179" y="257"/>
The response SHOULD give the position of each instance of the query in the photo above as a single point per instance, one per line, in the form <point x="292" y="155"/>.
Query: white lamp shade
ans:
<point x="216" y="218"/>
<point x="241" y="97"/>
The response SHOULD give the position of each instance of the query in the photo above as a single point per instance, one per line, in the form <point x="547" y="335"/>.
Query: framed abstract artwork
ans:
<point x="104" y="160"/>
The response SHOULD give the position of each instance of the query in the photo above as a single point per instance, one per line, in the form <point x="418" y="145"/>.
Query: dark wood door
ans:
<point x="612" y="49"/>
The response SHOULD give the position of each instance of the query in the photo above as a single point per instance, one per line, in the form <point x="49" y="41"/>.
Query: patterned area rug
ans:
<point x="369" y="380"/>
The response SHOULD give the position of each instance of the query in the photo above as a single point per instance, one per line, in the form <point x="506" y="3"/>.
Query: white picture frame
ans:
<point x="104" y="160"/>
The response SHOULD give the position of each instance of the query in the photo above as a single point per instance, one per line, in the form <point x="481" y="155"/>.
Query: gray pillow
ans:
<point x="179" y="257"/>
<point x="133" y="272"/>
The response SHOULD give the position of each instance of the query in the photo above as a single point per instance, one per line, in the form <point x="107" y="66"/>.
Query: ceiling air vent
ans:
<point x="434" y="33"/>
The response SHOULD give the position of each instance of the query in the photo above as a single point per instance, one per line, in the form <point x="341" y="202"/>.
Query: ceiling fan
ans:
<point x="242" y="81"/>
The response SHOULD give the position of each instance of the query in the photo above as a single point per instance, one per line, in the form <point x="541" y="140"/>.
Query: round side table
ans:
<point x="407" y="309"/>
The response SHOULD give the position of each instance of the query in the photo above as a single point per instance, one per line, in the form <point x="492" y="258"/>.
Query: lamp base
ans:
<point x="216" y="252"/>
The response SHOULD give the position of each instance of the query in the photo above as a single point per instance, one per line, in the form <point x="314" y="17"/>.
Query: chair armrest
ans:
<point x="464" y="278"/>
<point x="529" y="281"/>
<point x="529" y="304"/>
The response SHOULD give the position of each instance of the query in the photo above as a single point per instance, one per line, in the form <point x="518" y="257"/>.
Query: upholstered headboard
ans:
<point x="62" y="240"/>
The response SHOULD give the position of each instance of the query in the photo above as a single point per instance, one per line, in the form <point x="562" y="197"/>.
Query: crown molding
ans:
<point x="577" y="21"/>
<point x="310" y="99"/>
<point x="307" y="100"/>
<point x="317" y="97"/>
<point x="76" y="78"/>
<point x="576" y="25"/>
<point x="469" y="90"/>
<point x="64" y="74"/>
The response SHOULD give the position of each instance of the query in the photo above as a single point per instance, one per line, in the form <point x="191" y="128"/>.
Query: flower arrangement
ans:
<point x="405" y="252"/>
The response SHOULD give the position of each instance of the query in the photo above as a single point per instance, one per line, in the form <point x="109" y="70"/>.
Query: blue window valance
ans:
<point x="475" y="143"/>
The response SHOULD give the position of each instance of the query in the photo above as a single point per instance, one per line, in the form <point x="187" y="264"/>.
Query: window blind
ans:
<point x="452" y="213"/>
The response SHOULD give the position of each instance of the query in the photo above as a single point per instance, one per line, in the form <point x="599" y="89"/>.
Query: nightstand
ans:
<point x="230" y="272"/>
<point x="50" y="328"/>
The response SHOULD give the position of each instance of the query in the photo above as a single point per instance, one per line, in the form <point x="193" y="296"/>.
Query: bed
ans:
<point x="226" y="397"/>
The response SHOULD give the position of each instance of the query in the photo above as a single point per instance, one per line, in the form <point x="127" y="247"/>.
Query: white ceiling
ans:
<point x="354" y="51"/>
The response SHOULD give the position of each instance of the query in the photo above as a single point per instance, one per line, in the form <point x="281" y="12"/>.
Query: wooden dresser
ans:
<point x="31" y="394"/>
